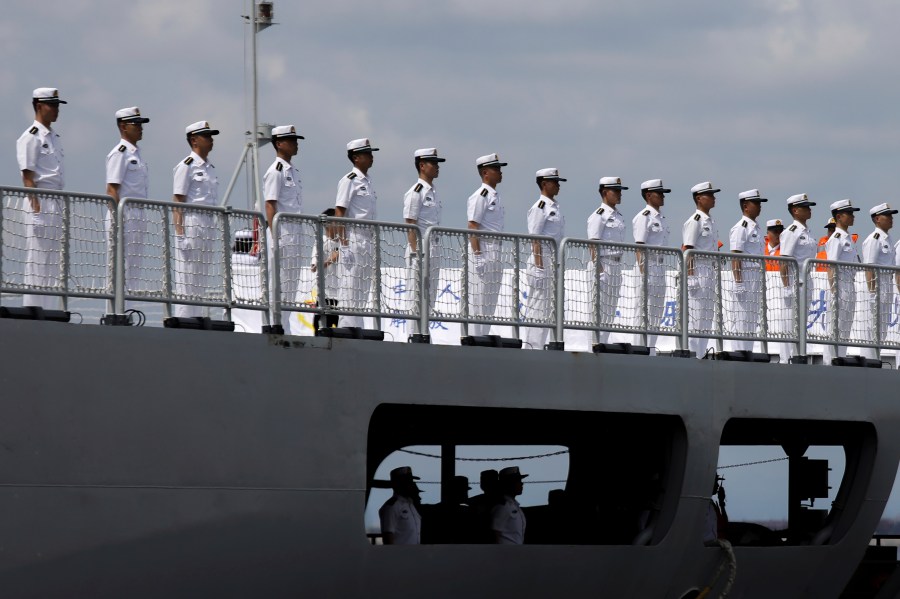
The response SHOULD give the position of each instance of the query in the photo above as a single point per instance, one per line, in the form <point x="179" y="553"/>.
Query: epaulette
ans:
<point x="417" y="188"/>
<point x="33" y="130"/>
<point x="484" y="193"/>
<point x="837" y="235"/>
<point x="600" y="210"/>
<point x="122" y="148"/>
<point x="351" y="176"/>
<point x="877" y="235"/>
<point x="279" y="167"/>
<point x="697" y="217"/>
<point x="189" y="160"/>
<point x="646" y="212"/>
<point x="792" y="228"/>
<point x="744" y="224"/>
<point x="541" y="204"/>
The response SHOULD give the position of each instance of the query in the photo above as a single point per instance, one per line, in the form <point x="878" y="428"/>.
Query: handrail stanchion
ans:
<point x="66" y="257"/>
<point x="275" y="292"/>
<point x="515" y="312"/>
<point x="119" y="276"/>
<point x="226" y="255"/>
<point x="719" y="305"/>
<point x="262" y="257"/>
<point x="876" y="276"/>
<point x="464" y="291"/>
<point x="560" y="278"/>
<point x="763" y="315"/>
<point x="800" y="305"/>
<point x="685" y="306"/>
<point x="322" y="298"/>
<point x="377" y="271"/>
<point x="645" y="291"/>
<point x="168" y="259"/>
<point x="424" y="278"/>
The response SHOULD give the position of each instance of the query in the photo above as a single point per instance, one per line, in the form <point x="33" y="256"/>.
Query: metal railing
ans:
<point x="56" y="244"/>
<point x="741" y="297"/>
<point x="619" y="287"/>
<point x="347" y="267"/>
<point x="486" y="287"/>
<point x="851" y="304"/>
<point x="187" y="257"/>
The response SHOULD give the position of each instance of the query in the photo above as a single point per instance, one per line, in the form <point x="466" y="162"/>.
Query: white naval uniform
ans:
<point x="357" y="196"/>
<point x="797" y="241"/>
<point x="196" y="179"/>
<point x="747" y="237"/>
<point x="840" y="247"/>
<point x="484" y="209"/>
<point x="649" y="227"/>
<point x="40" y="150"/>
<point x="508" y="520"/>
<point x="126" y="168"/>
<point x="400" y="518"/>
<point x="421" y="204"/>
<point x="699" y="232"/>
<point x="544" y="218"/>
<point x="606" y="223"/>
<point x="775" y="309"/>
<point x="281" y="184"/>
<point x="878" y="249"/>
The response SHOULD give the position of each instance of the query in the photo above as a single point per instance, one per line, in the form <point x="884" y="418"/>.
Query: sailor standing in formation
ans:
<point x="774" y="293"/>
<point x="878" y="250"/>
<point x="421" y="207"/>
<point x="284" y="193"/>
<point x="606" y="223"/>
<point x="485" y="213"/>
<point x="746" y="238"/>
<point x="798" y="242"/>
<point x="401" y="523"/>
<point x="195" y="182"/>
<point x="356" y="199"/>
<point x="841" y="247"/>
<point x="649" y="227"/>
<point x="544" y="218"/>
<point x="39" y="153"/>
<point x="699" y="232"/>
<point x="127" y="176"/>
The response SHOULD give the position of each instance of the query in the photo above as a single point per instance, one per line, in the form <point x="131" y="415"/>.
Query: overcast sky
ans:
<point x="787" y="96"/>
<point x="783" y="95"/>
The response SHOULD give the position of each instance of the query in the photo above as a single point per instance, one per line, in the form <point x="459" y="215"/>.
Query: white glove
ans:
<point x="348" y="258"/>
<point x="413" y="259"/>
<point x="478" y="264"/>
<point x="740" y="290"/>
<point x="603" y="279"/>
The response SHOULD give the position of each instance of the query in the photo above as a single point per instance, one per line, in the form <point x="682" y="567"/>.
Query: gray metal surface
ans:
<point x="151" y="462"/>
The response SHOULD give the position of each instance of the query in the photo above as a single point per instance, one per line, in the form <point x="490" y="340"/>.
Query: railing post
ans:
<point x="719" y="304"/>
<point x="877" y="275"/>
<point x="560" y="281"/>
<point x="516" y="314"/>
<point x="377" y="269"/>
<point x="119" y="276"/>
<point x="259" y="220"/>
<point x="685" y="304"/>
<point x="168" y="260"/>
<point x="645" y="294"/>
<point x="226" y="256"/>
<point x="66" y="256"/>
<point x="763" y="315"/>
<point x="801" y="305"/>
<point x="275" y="292"/>
<point x="464" y="292"/>
<point x="424" y="278"/>
<point x="322" y="293"/>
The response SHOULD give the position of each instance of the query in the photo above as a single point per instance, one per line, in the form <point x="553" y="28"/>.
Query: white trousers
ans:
<point x="412" y="281"/>
<point x="654" y="301"/>
<point x="484" y="289"/>
<point x="538" y="305"/>
<point x="607" y="292"/>
<point x="43" y="267"/>
<point x="701" y="302"/>
<point x="290" y="252"/>
<point x="356" y="279"/>
<point x="193" y="276"/>
<point x="745" y="307"/>
<point x="846" y="307"/>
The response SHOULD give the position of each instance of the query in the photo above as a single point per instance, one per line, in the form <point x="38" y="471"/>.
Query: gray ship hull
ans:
<point x="152" y="462"/>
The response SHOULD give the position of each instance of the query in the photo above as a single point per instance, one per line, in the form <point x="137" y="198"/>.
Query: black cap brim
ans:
<point x="776" y="227"/>
<point x="553" y="179"/>
<point x="490" y="164"/>
<point x="134" y="120"/>
<point x="886" y="212"/>
<point x="52" y="101"/>
<point x="753" y="199"/>
<point x="431" y="159"/>
<point x="659" y="189"/>
<point x="705" y="191"/>
<point x="847" y="210"/>
<point x="802" y="205"/>
<point x="277" y="137"/>
<point x="619" y="187"/>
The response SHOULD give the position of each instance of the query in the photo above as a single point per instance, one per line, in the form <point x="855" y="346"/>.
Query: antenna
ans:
<point x="260" y="16"/>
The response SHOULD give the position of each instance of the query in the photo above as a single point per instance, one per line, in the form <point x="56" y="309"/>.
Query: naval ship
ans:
<point x="196" y="460"/>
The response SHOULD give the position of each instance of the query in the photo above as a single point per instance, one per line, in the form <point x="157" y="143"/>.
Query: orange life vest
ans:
<point x="771" y="265"/>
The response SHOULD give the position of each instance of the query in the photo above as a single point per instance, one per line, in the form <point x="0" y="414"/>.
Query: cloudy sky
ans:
<point x="787" y="96"/>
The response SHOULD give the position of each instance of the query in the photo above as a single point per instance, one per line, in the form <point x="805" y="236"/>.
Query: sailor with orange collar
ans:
<point x="774" y="292"/>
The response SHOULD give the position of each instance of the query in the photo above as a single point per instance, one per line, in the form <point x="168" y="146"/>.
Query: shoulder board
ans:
<point x="351" y="176"/>
<point x="279" y="167"/>
<point x="792" y="228"/>
<point x="541" y="204"/>
<point x="484" y="193"/>
<point x="189" y="160"/>
<point x="744" y="224"/>
<point x="837" y="235"/>
<point x="646" y="212"/>
<point x="696" y="217"/>
<point x="599" y="210"/>
<point x="122" y="148"/>
<point x="33" y="130"/>
<point x="877" y="235"/>
<point x="418" y="187"/>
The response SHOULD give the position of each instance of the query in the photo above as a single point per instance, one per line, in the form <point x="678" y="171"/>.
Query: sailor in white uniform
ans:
<point x="196" y="183"/>
<point x="401" y="523"/>
<point x="127" y="176"/>
<point x="507" y="517"/>
<point x="484" y="212"/>
<point x="840" y="247"/>
<point x="775" y="291"/>
<point x="422" y="207"/>
<point x="39" y="153"/>
<point x="284" y="193"/>
<point x="878" y="250"/>
<point x="699" y="232"/>
<point x="746" y="237"/>
<point x="356" y="198"/>
<point x="796" y="241"/>
<point x="544" y="218"/>
<point x="607" y="224"/>
<point x="649" y="227"/>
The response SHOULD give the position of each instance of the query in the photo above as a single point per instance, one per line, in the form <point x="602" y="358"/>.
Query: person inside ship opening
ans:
<point x="401" y="523"/>
<point x="507" y="518"/>
<point x="483" y="504"/>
